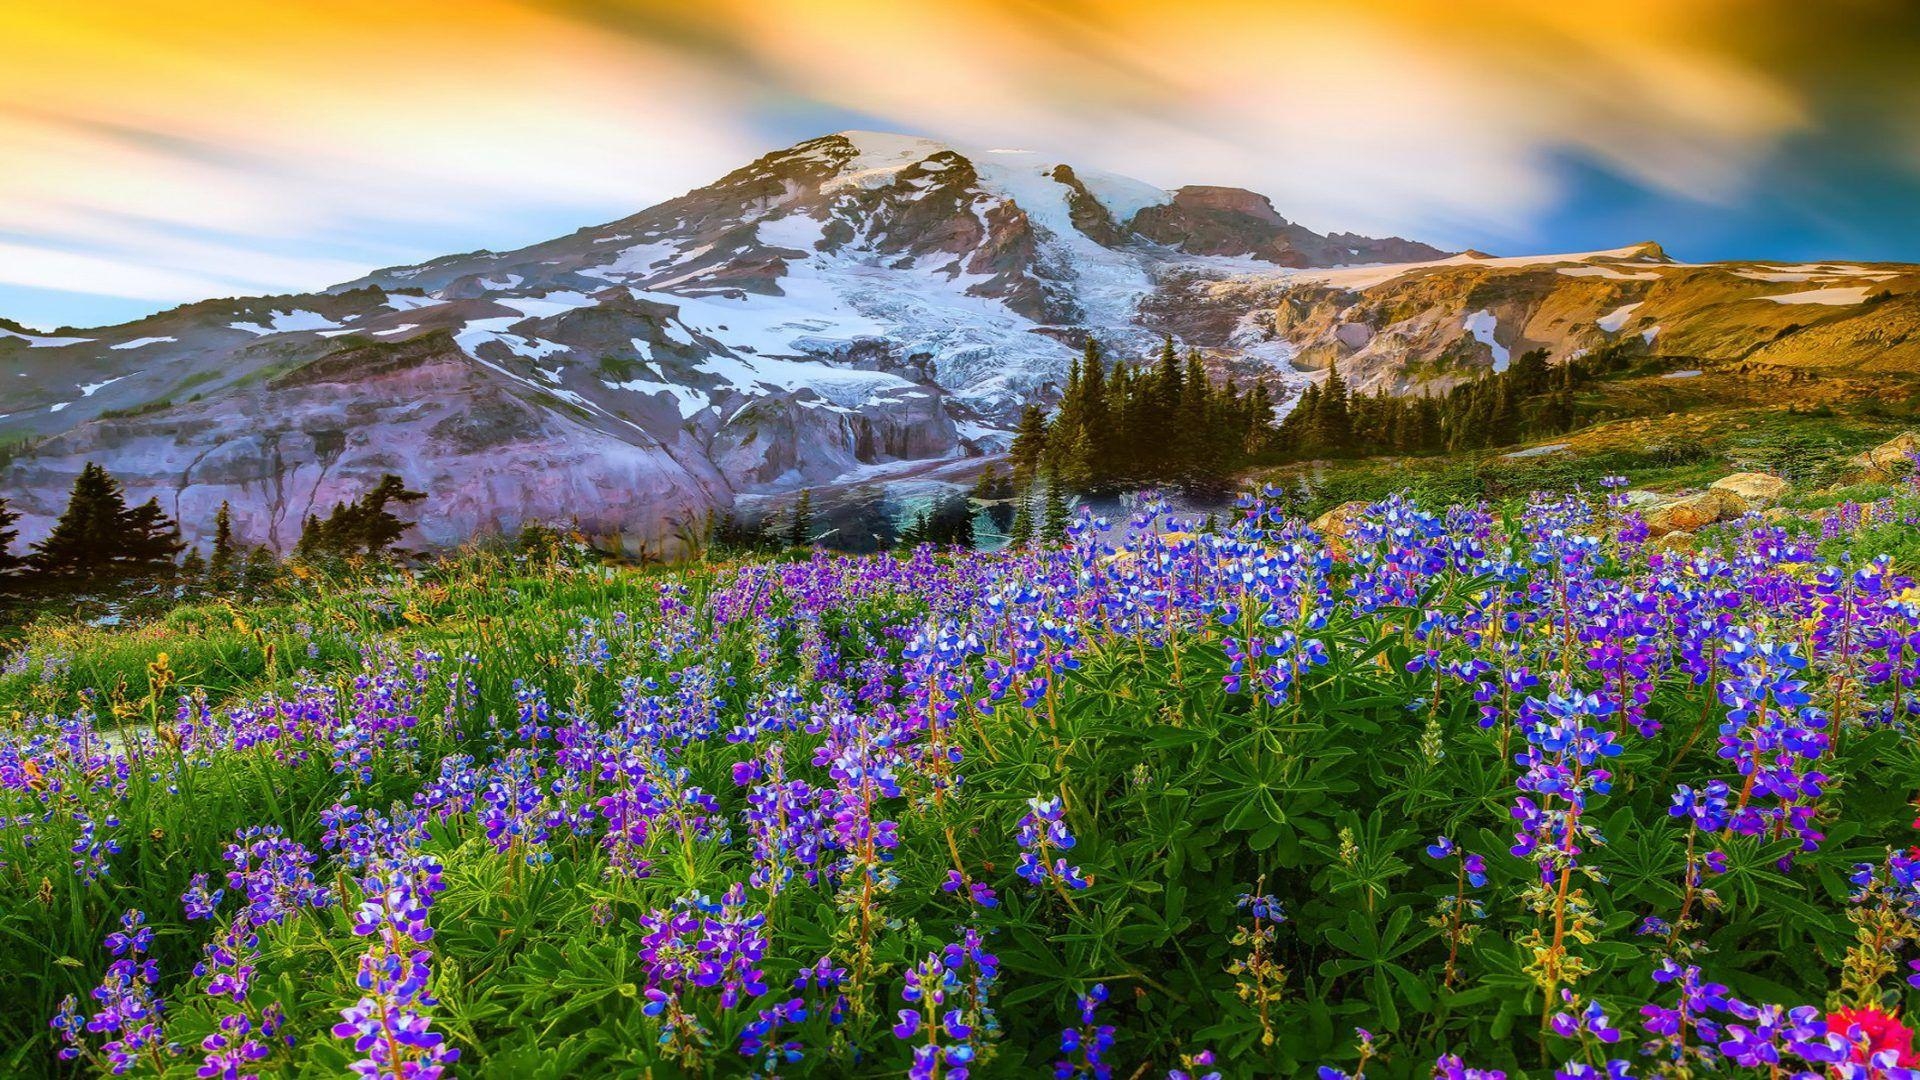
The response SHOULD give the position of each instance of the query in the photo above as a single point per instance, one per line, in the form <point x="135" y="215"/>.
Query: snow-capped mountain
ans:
<point x="980" y="271"/>
<point x="856" y="306"/>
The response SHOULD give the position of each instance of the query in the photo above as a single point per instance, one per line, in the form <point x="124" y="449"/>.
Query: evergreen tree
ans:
<point x="85" y="542"/>
<point x="1169" y="376"/>
<point x="221" y="568"/>
<point x="1557" y="416"/>
<point x="1503" y="420"/>
<point x="990" y="490"/>
<point x="800" y="534"/>
<point x="1197" y="440"/>
<point x="1332" y="425"/>
<point x="1020" y="533"/>
<point x="1259" y="431"/>
<point x="10" y="563"/>
<point x="1053" y="525"/>
<point x="917" y="530"/>
<point x="1095" y="418"/>
<point x="259" y="568"/>
<point x="364" y="526"/>
<point x="1073" y="464"/>
<point x="1029" y="444"/>
<point x="380" y="528"/>
<point x="950" y="521"/>
<point x="151" y="541"/>
<point x="308" y="546"/>
<point x="1529" y="376"/>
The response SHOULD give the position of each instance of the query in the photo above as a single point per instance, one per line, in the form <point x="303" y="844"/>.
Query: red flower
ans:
<point x="1876" y="1031"/>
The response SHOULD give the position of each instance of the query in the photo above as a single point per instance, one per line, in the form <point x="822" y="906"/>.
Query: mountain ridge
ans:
<point x="839" y="310"/>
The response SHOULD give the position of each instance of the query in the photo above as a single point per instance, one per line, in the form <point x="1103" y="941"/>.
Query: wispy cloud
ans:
<point x="155" y="150"/>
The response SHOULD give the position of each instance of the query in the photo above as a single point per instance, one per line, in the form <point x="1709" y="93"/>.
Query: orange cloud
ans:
<point x="349" y="125"/>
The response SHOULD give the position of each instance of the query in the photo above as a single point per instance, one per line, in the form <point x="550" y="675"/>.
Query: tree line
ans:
<point x="1529" y="399"/>
<point x="1168" y="424"/>
<point x="1159" y="424"/>
<point x="102" y="542"/>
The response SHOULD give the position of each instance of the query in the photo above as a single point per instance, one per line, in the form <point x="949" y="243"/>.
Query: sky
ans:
<point x="155" y="152"/>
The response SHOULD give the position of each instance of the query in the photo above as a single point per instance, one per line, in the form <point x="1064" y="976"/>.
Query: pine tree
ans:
<point x="1095" y="418"/>
<point x="220" y="569"/>
<point x="988" y="491"/>
<point x="379" y="528"/>
<point x="1259" y="431"/>
<point x="10" y="564"/>
<point x="1503" y="421"/>
<point x="259" y="568"/>
<point x="916" y="532"/>
<point x="1198" y="462"/>
<point x="86" y="540"/>
<point x="1053" y="524"/>
<point x="1029" y="444"/>
<point x="309" y="544"/>
<point x="800" y="534"/>
<point x="1332" y="425"/>
<point x="1020" y="533"/>
<point x="1169" y="375"/>
<point x="950" y="522"/>
<point x="364" y="526"/>
<point x="150" y="542"/>
<point x="1073" y="465"/>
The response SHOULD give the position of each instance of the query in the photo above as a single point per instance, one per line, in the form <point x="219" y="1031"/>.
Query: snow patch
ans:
<point x="1481" y="324"/>
<point x="1613" y="320"/>
<point x="848" y="388"/>
<point x="1366" y="277"/>
<point x="480" y="331"/>
<point x="791" y="231"/>
<point x="1835" y="296"/>
<point x="689" y="401"/>
<point x="141" y="343"/>
<point x="1609" y="272"/>
<point x="1690" y="373"/>
<point x="36" y="342"/>
<point x="288" y="322"/>
<point x="540" y="307"/>
<point x="87" y="389"/>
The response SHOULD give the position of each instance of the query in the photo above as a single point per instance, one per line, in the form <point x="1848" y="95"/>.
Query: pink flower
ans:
<point x="1871" y="1032"/>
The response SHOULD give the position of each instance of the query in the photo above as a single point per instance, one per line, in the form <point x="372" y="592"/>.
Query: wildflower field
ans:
<point x="1462" y="793"/>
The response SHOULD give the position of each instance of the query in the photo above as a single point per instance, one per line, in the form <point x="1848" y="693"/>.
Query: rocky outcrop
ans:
<point x="1086" y="211"/>
<point x="1690" y="513"/>
<point x="1337" y="524"/>
<point x="489" y="456"/>
<point x="830" y="311"/>
<point x="1234" y="221"/>
<point x="1891" y="459"/>
<point x="1756" y="490"/>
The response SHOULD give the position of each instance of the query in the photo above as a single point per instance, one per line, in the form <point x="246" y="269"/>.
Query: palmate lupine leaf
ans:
<point x="745" y="819"/>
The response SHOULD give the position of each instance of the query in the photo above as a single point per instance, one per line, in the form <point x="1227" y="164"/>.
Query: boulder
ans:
<point x="1334" y="526"/>
<point x="1680" y="541"/>
<point x="1888" y="460"/>
<point x="1757" y="489"/>
<point x="1690" y="513"/>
